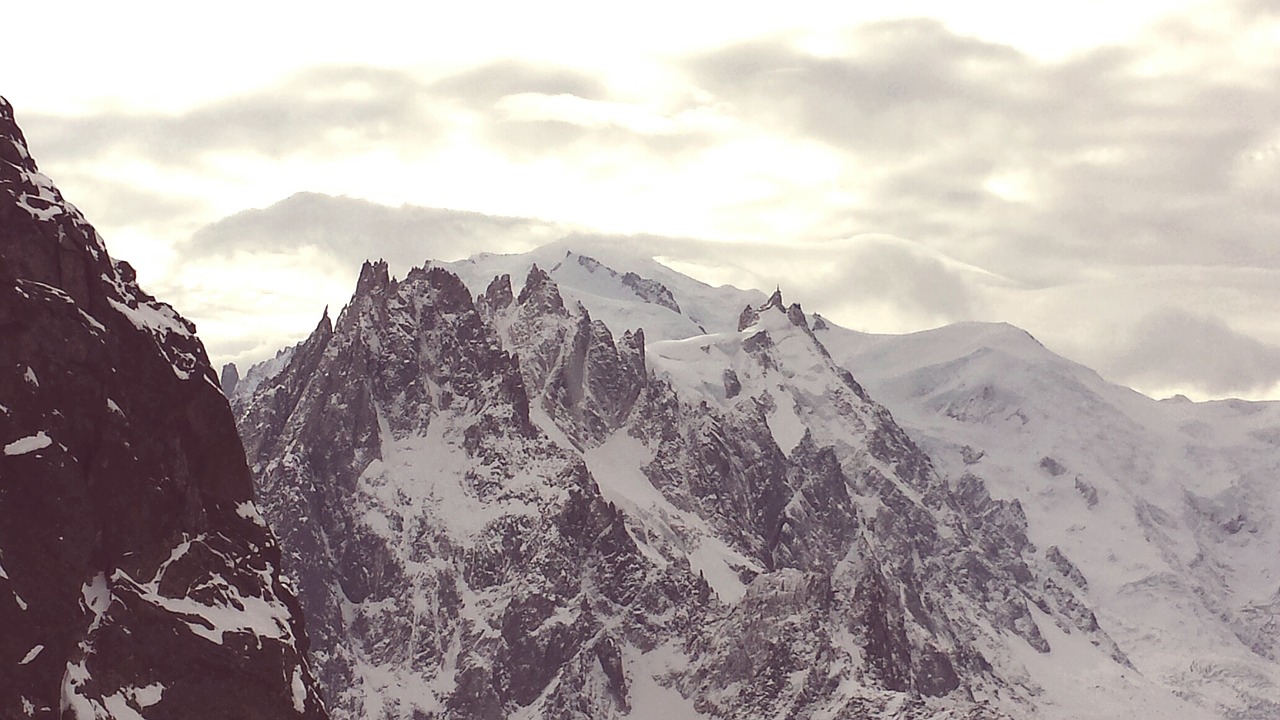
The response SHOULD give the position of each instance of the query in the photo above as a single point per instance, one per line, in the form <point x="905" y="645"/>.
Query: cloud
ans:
<point x="481" y="87"/>
<point x="347" y="231"/>
<point x="906" y="81"/>
<point x="320" y="111"/>
<point x="1173" y="348"/>
<point x="247" y="305"/>
<point x="121" y="204"/>
<point x="520" y="108"/>
<point x="872" y="282"/>
<point x="317" y="111"/>
<point x="1030" y="167"/>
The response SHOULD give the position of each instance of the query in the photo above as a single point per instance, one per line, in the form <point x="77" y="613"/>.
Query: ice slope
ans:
<point x="1168" y="508"/>
<point x="1078" y="422"/>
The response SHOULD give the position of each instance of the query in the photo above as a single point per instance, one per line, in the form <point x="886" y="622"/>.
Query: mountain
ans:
<point x="1169" y="508"/>
<point x="618" y="492"/>
<point x="453" y="559"/>
<point x="137" y="577"/>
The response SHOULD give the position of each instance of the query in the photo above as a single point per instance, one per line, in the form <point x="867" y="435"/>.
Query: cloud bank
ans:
<point x="1122" y="203"/>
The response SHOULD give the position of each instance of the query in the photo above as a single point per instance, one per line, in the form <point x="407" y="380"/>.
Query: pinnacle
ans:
<point x="775" y="300"/>
<point x="540" y="289"/>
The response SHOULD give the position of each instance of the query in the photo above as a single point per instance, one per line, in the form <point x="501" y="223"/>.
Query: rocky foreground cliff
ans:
<point x="137" y="578"/>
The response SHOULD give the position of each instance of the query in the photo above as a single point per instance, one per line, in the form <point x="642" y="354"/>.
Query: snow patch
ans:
<point x="28" y="444"/>
<point x="95" y="598"/>
<point x="249" y="511"/>
<point x="236" y="613"/>
<point x="299" y="688"/>
<point x="787" y="427"/>
<point x="149" y="695"/>
<point x="664" y="531"/>
<point x="649" y="697"/>
<point x="31" y="654"/>
<point x="161" y="319"/>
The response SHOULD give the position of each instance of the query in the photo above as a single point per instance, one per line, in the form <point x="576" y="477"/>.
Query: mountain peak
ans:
<point x="775" y="301"/>
<point x="13" y="145"/>
<point x="498" y="295"/>
<point x="751" y="315"/>
<point x="541" y="292"/>
<point x="373" y="276"/>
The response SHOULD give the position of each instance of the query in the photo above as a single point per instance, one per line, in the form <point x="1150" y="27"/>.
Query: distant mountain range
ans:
<point x="1008" y="535"/>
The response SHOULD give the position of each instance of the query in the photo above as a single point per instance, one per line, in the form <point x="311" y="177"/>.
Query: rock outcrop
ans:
<point x="137" y="578"/>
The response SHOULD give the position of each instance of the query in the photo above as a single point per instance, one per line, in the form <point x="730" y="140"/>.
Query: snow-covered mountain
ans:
<point x="1169" y="508"/>
<point x="619" y="492"/>
<point x="137" y="578"/>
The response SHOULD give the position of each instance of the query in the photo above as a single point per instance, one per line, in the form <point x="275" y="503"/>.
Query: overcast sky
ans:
<point x="1105" y="175"/>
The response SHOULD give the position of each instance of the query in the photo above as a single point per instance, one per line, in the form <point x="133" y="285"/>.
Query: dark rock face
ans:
<point x="575" y="371"/>
<point x="651" y="291"/>
<point x="496" y="298"/>
<point x="136" y="576"/>
<point x="230" y="378"/>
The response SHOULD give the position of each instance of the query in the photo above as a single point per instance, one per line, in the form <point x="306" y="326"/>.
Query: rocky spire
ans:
<point x="751" y="315"/>
<point x="540" y="293"/>
<point x="230" y="378"/>
<point x="498" y="296"/>
<point x="775" y="301"/>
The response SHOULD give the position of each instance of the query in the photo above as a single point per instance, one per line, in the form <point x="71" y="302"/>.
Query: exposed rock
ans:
<point x="136" y="575"/>
<point x="651" y="291"/>
<point x="647" y="290"/>
<point x="1052" y="466"/>
<point x="438" y="538"/>
<point x="230" y="378"/>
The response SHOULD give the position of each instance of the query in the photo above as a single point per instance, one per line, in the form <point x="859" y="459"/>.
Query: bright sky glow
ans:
<point x="1035" y="161"/>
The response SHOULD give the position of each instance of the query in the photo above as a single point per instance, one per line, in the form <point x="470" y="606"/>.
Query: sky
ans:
<point x="1105" y="175"/>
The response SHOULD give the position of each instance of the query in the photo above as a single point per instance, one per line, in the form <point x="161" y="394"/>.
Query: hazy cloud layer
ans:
<point x="1123" y="204"/>
<point x="481" y="87"/>
<point x="349" y="231"/>
<point x="867" y="282"/>
<point x="305" y="252"/>
<point x="1021" y="165"/>
<point x="320" y="111"/>
<point x="346" y="110"/>
<point x="1171" y="345"/>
